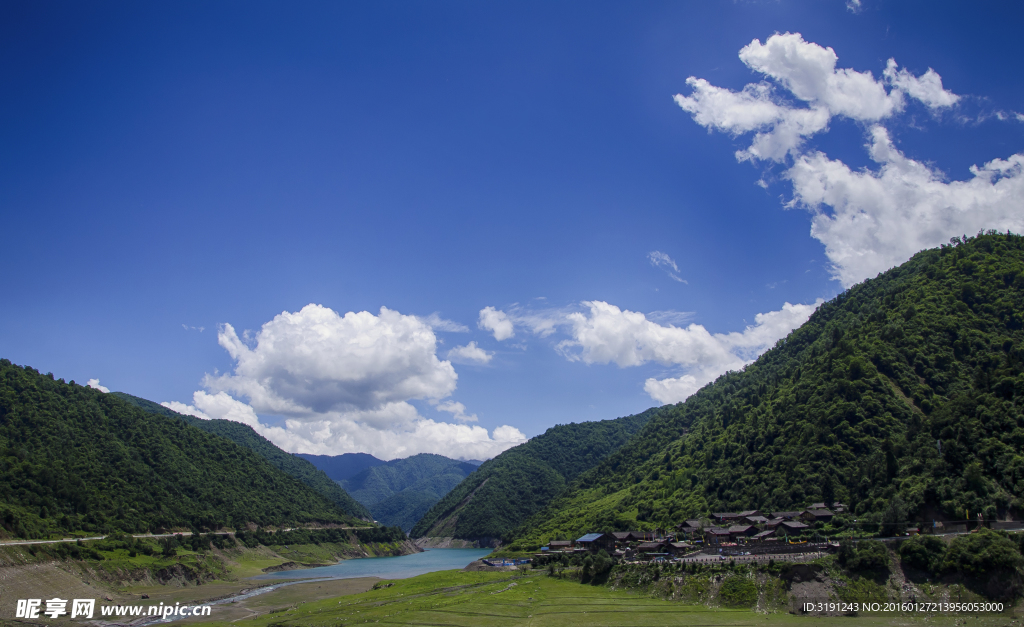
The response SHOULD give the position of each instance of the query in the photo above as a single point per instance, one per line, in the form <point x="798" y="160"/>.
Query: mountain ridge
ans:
<point x="74" y="459"/>
<point x="508" y="488"/>
<point x="246" y="436"/>
<point x="899" y="397"/>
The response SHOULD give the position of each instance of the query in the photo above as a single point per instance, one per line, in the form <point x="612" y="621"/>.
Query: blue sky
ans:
<point x="171" y="167"/>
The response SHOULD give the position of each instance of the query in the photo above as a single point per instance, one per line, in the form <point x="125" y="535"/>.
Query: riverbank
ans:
<point x="123" y="569"/>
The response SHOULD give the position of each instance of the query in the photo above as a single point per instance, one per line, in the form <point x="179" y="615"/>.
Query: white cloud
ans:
<point x="95" y="384"/>
<point x="671" y="317"/>
<point x="660" y="259"/>
<point x="470" y="354"/>
<point x="808" y="72"/>
<point x="182" y="408"/>
<point x="437" y="323"/>
<point x="868" y="220"/>
<point x="879" y="219"/>
<point x="314" y="360"/>
<point x="854" y="6"/>
<point x="343" y="384"/>
<point x="608" y="334"/>
<point x="457" y="410"/>
<point x="496" y="322"/>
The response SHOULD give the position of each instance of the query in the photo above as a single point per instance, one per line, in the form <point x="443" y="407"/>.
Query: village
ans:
<point x="748" y="535"/>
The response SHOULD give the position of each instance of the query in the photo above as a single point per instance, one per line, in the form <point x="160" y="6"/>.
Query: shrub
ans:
<point x="983" y="552"/>
<point x="924" y="553"/>
<point x="867" y="555"/>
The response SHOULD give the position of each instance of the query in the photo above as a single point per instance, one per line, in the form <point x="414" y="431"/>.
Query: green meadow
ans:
<point x="509" y="599"/>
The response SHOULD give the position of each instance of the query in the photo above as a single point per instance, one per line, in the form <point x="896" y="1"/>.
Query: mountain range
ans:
<point x="397" y="492"/>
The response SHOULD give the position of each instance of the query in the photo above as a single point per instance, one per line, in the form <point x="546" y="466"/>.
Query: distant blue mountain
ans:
<point x="397" y="492"/>
<point x="342" y="467"/>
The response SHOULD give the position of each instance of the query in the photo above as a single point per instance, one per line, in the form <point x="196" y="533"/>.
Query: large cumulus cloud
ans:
<point x="344" y="384"/>
<point x="869" y="220"/>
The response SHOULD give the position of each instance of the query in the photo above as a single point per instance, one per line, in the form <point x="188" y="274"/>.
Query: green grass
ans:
<point x="502" y="599"/>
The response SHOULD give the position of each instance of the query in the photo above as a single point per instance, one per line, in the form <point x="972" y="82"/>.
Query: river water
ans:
<point x="400" y="567"/>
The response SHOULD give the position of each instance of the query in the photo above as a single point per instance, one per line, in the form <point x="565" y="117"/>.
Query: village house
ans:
<point x="724" y="517"/>
<point x="786" y="515"/>
<point x="651" y="547"/>
<point x="817" y="515"/>
<point x="790" y="528"/>
<point x="560" y="545"/>
<point x="679" y="548"/>
<point x="763" y="535"/>
<point x="716" y="535"/>
<point x="594" y="542"/>
<point x="836" y="507"/>
<point x="754" y="519"/>
<point x="741" y="531"/>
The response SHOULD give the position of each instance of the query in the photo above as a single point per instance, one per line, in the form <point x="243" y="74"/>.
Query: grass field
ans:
<point x="504" y="599"/>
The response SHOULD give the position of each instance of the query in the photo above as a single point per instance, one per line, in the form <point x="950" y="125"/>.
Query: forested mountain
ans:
<point x="344" y="466"/>
<point x="903" y="397"/>
<point x="506" y="490"/>
<point x="74" y="458"/>
<point x="400" y="491"/>
<point x="244" y="435"/>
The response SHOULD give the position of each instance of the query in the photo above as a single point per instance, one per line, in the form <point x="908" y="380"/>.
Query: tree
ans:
<point x="894" y="518"/>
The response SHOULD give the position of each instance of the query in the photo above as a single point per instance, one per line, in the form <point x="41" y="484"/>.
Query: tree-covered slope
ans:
<point x="400" y="491"/>
<point x="73" y="458"/>
<point x="903" y="397"/>
<point x="506" y="490"/>
<point x="243" y="435"/>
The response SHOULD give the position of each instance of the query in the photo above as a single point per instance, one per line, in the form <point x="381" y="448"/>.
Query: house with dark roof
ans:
<point x="741" y="531"/>
<point x="652" y="547"/>
<point x="679" y="548"/>
<point x="763" y="535"/>
<point x="754" y="519"/>
<point x="750" y="512"/>
<point x="716" y="535"/>
<point x="560" y="545"/>
<point x="773" y="523"/>
<point x="596" y="541"/>
<point x="725" y="517"/>
<point x="835" y="507"/>
<point x="786" y="515"/>
<point x="817" y="515"/>
<point x="790" y="528"/>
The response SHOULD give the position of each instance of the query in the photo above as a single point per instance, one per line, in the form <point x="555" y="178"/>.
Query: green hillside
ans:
<point x="508" y="489"/>
<point x="244" y="435"/>
<point x="902" y="397"/>
<point x="76" y="459"/>
<point x="400" y="491"/>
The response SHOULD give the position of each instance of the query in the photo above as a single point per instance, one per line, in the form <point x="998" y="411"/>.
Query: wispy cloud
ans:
<point x="437" y="323"/>
<point x="659" y="259"/>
